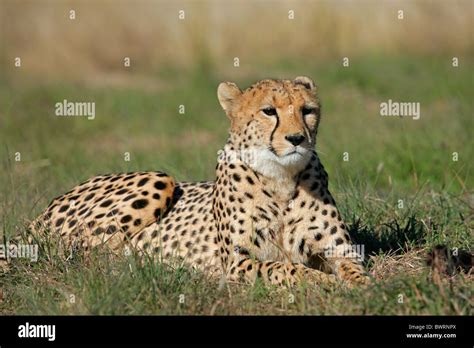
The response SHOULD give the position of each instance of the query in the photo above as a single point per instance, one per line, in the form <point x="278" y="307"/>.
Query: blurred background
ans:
<point x="213" y="32"/>
<point x="175" y="61"/>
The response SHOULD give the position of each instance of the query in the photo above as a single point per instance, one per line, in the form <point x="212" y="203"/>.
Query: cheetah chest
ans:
<point x="258" y="224"/>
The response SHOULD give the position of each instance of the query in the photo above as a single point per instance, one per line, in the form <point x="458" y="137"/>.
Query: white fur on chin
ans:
<point x="283" y="167"/>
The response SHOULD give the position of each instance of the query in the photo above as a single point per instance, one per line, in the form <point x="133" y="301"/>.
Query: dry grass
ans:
<point x="411" y="263"/>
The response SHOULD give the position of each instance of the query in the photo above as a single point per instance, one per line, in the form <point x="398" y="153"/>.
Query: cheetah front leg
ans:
<point x="340" y="259"/>
<point x="346" y="264"/>
<point x="315" y="230"/>
<point x="277" y="273"/>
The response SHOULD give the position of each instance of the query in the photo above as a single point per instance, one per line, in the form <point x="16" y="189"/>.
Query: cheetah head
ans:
<point x="276" y="121"/>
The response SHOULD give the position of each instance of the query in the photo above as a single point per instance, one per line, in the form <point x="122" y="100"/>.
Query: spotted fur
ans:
<point x="269" y="213"/>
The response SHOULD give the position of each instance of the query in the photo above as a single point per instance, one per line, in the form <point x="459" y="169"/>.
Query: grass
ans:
<point x="400" y="192"/>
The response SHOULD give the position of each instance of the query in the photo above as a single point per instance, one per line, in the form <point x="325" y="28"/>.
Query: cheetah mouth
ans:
<point x="296" y="157"/>
<point x="297" y="151"/>
<point x="269" y="163"/>
<point x="294" y="152"/>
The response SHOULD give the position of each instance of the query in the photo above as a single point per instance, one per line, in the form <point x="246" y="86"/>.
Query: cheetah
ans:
<point x="268" y="215"/>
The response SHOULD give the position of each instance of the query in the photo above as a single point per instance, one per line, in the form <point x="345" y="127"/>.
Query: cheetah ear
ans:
<point x="227" y="92"/>
<point x="306" y="82"/>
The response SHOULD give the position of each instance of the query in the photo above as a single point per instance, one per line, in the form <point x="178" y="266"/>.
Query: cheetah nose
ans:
<point x="295" y="139"/>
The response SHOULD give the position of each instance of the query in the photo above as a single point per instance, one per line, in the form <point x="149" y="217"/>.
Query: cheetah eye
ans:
<point x="307" y="110"/>
<point x="269" y="111"/>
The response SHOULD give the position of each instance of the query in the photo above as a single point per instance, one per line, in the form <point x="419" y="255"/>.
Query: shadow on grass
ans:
<point x="392" y="236"/>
